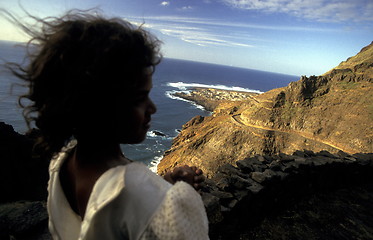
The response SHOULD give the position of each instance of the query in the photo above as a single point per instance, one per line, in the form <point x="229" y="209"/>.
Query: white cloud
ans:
<point x="203" y="32"/>
<point x="10" y="33"/>
<point x="165" y="3"/>
<point x="186" y="8"/>
<point x="201" y="37"/>
<point x="194" y="31"/>
<point x="320" y="10"/>
<point x="215" y="22"/>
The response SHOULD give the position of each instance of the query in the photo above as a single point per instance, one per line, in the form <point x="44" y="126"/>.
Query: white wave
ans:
<point x="155" y="133"/>
<point x="151" y="134"/>
<point x="185" y="86"/>
<point x="154" y="163"/>
<point x="158" y="134"/>
<point x="171" y="95"/>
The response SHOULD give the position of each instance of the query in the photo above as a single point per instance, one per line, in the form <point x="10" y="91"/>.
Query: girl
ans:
<point x="89" y="80"/>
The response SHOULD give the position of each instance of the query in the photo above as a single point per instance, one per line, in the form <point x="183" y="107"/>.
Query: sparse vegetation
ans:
<point x="370" y="111"/>
<point x="348" y="85"/>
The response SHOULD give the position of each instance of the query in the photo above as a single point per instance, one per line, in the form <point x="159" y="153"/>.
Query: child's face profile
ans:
<point x="134" y="120"/>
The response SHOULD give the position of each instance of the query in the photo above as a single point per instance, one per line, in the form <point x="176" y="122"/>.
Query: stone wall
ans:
<point x="238" y="199"/>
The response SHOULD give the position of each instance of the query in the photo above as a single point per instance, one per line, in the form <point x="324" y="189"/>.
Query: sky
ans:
<point x="296" y="37"/>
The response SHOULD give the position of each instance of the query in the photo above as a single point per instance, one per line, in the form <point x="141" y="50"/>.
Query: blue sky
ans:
<point x="298" y="37"/>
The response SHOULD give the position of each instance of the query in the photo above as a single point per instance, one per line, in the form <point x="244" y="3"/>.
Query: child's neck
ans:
<point x="92" y="152"/>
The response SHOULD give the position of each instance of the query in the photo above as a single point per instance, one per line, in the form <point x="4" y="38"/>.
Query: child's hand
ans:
<point x="192" y="175"/>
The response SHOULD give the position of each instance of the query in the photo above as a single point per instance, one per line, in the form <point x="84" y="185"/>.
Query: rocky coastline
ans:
<point x="303" y="195"/>
<point x="291" y="163"/>
<point x="331" y="112"/>
<point x="210" y="98"/>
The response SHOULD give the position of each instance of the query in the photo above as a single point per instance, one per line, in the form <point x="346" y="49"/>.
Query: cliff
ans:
<point x="330" y="112"/>
<point x="22" y="176"/>
<point x="23" y="184"/>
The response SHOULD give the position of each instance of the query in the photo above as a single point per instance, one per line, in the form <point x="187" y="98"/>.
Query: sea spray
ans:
<point x="187" y="86"/>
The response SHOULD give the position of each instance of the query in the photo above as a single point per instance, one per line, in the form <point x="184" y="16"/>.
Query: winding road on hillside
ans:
<point x="237" y="119"/>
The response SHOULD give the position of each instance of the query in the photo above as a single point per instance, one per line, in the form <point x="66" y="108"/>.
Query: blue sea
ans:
<point x="170" y="76"/>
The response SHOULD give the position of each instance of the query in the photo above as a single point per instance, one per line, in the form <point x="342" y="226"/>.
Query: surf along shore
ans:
<point x="210" y="98"/>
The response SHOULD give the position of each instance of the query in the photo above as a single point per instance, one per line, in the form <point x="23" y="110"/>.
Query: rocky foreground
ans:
<point x="305" y="195"/>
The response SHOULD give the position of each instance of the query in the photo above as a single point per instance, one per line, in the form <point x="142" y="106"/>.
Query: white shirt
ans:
<point x="127" y="202"/>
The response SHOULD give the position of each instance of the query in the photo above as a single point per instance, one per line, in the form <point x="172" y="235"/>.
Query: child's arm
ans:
<point x="192" y="175"/>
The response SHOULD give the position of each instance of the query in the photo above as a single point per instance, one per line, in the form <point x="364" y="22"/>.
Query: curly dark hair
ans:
<point x="78" y="65"/>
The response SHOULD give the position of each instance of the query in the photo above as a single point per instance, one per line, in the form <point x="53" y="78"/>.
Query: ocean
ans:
<point x="170" y="76"/>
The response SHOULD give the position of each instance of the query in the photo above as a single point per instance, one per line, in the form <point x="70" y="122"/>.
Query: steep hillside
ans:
<point x="330" y="112"/>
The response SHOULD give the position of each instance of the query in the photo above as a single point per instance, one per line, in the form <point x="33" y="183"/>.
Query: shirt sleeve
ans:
<point x="181" y="216"/>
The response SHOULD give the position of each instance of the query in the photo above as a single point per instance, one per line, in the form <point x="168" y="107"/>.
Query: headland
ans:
<point x="210" y="98"/>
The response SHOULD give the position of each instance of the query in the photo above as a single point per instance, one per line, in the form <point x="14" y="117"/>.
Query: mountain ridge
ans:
<point x="358" y="62"/>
